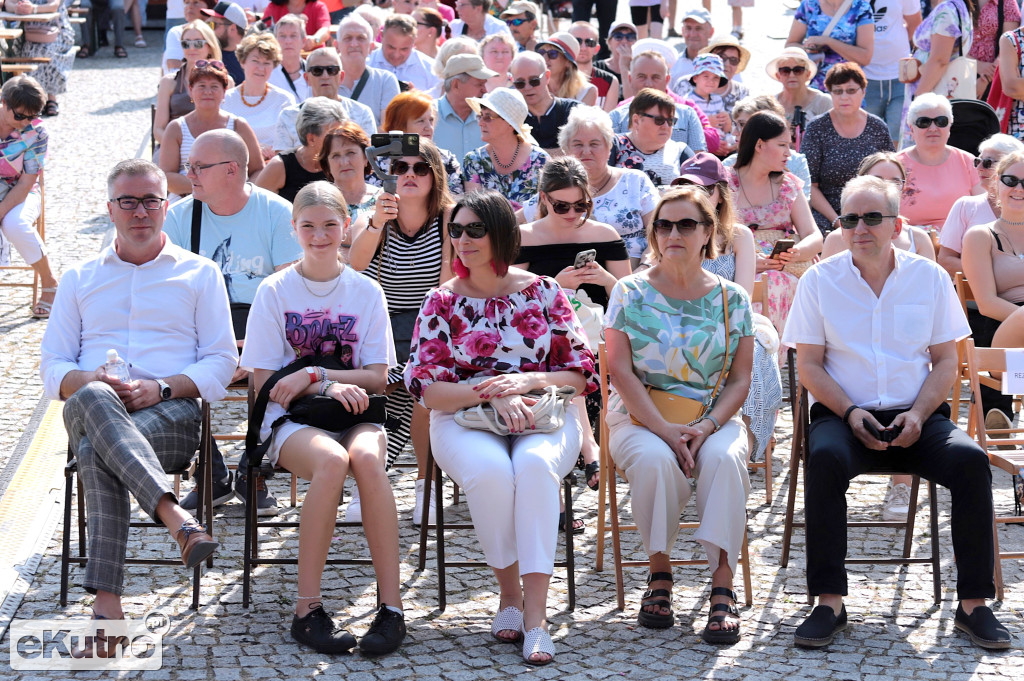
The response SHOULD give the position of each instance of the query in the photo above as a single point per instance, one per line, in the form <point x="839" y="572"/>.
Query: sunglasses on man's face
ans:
<point x="985" y="163"/>
<point x="924" y="122"/>
<point x="521" y="84"/>
<point x="517" y="22"/>
<point x="685" y="226"/>
<point x="330" y="69"/>
<point x="628" y="37"/>
<point x="589" y="42"/>
<point x="420" y="168"/>
<point x="871" y="219"/>
<point x="474" y="230"/>
<point x="1011" y="181"/>
<point x="794" y="70"/>
<point x="193" y="44"/>
<point x="563" y="207"/>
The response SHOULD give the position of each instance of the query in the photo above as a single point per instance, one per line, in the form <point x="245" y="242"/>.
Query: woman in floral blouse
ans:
<point x="493" y="334"/>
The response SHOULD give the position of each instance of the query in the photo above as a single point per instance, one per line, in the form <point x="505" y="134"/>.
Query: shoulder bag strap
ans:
<point x="725" y="364"/>
<point x="1000" y="16"/>
<point x="288" y="78"/>
<point x="197" y="223"/>
<point x="361" y="84"/>
<point x="840" y="13"/>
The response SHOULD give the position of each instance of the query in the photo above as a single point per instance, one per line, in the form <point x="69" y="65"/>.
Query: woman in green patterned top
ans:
<point x="666" y="329"/>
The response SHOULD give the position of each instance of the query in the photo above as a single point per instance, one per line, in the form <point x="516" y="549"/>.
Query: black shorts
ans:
<point x="640" y="14"/>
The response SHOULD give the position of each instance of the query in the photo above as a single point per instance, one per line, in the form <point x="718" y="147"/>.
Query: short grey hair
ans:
<point x="1000" y="143"/>
<point x="926" y="102"/>
<point x="461" y="77"/>
<point x="135" y="167"/>
<point x="329" y="52"/>
<point x="529" y="58"/>
<point x="297" y="20"/>
<point x="890" y="191"/>
<point x="581" y="117"/>
<point x="316" y="114"/>
<point x="450" y="48"/>
<point x="359" y="19"/>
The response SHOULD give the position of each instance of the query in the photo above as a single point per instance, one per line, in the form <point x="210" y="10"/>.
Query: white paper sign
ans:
<point x="1013" y="378"/>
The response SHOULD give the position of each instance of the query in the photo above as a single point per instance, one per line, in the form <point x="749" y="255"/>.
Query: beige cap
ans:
<point x="469" y="64"/>
<point x="521" y="7"/>
<point x="510" y="105"/>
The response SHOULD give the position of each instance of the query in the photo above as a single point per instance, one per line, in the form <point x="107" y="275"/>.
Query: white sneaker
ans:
<point x="897" y="505"/>
<point x="417" y="513"/>
<point x="354" y="512"/>
<point x="995" y="418"/>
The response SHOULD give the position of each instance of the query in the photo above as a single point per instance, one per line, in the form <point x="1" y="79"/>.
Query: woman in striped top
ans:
<point x="405" y="248"/>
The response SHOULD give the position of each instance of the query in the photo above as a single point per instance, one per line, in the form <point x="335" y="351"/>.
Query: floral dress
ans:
<point x="845" y="30"/>
<point x="519" y="186"/>
<point x="457" y="338"/>
<point x="769" y="223"/>
<point x="54" y="75"/>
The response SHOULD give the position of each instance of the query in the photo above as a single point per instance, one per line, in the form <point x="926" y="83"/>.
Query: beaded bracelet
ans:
<point x="325" y="386"/>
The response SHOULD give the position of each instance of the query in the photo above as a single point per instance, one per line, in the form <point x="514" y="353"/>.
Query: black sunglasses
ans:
<point x="1011" y="181"/>
<point x="421" y="168"/>
<point x="794" y="70"/>
<point x="628" y="37"/>
<point x="20" y="117"/>
<point x="985" y="163"/>
<point x="474" y="230"/>
<point x="589" y="42"/>
<point x="731" y="61"/>
<point x="871" y="219"/>
<point x="562" y="207"/>
<point x="550" y="54"/>
<point x="331" y="70"/>
<point x="521" y="84"/>
<point x="685" y="226"/>
<point x="924" y="122"/>
<point x="660" y="120"/>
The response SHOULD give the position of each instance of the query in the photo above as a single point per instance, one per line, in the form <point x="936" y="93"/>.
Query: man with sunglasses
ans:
<point x="323" y="74"/>
<point x="875" y="329"/>
<point x="229" y="22"/>
<point x="606" y="82"/>
<point x="165" y="312"/>
<point x="619" y="48"/>
<point x="521" y="19"/>
<point x="547" y="113"/>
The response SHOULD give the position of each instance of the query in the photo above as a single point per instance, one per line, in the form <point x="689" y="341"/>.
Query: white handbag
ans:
<point x="548" y="412"/>
<point x="959" y="81"/>
<point x="590" y="315"/>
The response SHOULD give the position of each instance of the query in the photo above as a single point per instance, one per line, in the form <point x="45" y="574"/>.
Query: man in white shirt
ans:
<point x="247" y="232"/>
<point x="396" y="54"/>
<point x="323" y="75"/>
<point x="875" y="330"/>
<point x="165" y="312"/>
<point x="456" y="128"/>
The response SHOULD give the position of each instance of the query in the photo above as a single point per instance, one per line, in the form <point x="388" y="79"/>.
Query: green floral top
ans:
<point x="678" y="345"/>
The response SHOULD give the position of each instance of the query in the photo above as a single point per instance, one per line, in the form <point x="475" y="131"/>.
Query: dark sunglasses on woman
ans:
<point x="985" y="163"/>
<point x="1011" y="181"/>
<point x="421" y="168"/>
<point x="474" y="230"/>
<point x="550" y="54"/>
<point x="684" y="226"/>
<point x="794" y="70"/>
<point x="924" y="122"/>
<point x="193" y="44"/>
<point x="562" y="207"/>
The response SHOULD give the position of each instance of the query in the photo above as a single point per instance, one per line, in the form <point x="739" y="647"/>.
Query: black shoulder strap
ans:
<point x="361" y="84"/>
<point x="999" y="242"/>
<point x="999" y="23"/>
<point x="197" y="223"/>
<point x="289" y="78"/>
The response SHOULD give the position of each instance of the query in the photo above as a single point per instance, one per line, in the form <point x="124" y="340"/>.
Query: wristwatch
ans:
<point x="165" y="390"/>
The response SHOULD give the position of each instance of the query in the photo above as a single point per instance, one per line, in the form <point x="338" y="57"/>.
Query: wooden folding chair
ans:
<point x="798" y="462"/>
<point x="994" y="440"/>
<point x="964" y="293"/>
<point x="609" y="478"/>
<point x="40" y="226"/>
<point x="759" y="296"/>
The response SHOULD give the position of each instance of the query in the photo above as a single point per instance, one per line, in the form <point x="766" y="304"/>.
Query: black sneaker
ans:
<point x="266" y="504"/>
<point x="385" y="634"/>
<point x="318" y="631"/>
<point x="222" y="494"/>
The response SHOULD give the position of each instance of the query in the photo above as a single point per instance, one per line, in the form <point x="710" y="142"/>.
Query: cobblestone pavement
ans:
<point x="896" y="632"/>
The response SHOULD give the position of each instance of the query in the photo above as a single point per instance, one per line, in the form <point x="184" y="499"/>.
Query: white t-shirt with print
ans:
<point x="891" y="40"/>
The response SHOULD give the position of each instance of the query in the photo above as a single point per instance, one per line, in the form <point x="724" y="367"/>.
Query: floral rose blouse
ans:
<point x="457" y="338"/>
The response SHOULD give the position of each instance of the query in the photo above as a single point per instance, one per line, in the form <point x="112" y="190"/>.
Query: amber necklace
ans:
<point x="266" y="91"/>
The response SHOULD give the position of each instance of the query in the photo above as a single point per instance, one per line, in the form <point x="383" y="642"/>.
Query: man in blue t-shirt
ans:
<point x="247" y="232"/>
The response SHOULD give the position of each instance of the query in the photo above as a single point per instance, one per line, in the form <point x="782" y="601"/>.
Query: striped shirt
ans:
<point x="407" y="267"/>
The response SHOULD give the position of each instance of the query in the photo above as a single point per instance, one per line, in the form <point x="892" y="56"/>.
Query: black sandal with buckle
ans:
<point x="722" y="635"/>
<point x="590" y="470"/>
<point x="658" y="598"/>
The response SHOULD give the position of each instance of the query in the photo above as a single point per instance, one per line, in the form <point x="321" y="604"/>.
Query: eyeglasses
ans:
<point x="563" y="207"/>
<point x="517" y="22"/>
<point x="193" y="44"/>
<point x="474" y="230"/>
<point x="660" y="120"/>
<point x="1011" y="181"/>
<point x="521" y="84"/>
<point x="421" y="168"/>
<point x="924" y="122"/>
<point x="331" y="70"/>
<point x="849" y="92"/>
<point x="685" y="226"/>
<point x="794" y="70"/>
<point x="550" y="54"/>
<point x="731" y="61"/>
<point x="589" y="42"/>
<point x="628" y="37"/>
<point x="871" y="219"/>
<point x="197" y="168"/>
<point x="985" y="163"/>
<point x="132" y="202"/>
<point x="210" y="63"/>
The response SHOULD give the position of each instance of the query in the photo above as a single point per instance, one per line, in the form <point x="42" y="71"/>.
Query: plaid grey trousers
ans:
<point x="119" y="453"/>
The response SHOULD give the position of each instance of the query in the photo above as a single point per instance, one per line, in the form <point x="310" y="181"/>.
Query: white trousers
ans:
<point x="19" y="228"/>
<point x="659" y="491"/>
<point x="512" y="484"/>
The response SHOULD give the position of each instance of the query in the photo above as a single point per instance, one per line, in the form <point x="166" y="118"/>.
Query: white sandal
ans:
<point x="509" y="619"/>
<point x="537" y="640"/>
<point x="42" y="309"/>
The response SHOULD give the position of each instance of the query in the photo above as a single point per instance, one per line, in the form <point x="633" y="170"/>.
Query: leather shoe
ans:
<point x="820" y="627"/>
<point x="982" y="626"/>
<point x="196" y="545"/>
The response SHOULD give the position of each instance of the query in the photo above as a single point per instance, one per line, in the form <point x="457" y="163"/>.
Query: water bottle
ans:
<point x="116" y="368"/>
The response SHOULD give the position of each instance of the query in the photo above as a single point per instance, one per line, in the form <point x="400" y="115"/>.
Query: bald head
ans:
<point x="227" y="144"/>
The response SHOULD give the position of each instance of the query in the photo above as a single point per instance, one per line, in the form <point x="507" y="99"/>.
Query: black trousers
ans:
<point x="944" y="453"/>
<point x="582" y="10"/>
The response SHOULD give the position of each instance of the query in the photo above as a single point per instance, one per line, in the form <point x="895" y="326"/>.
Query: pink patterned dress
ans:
<point x="769" y="223"/>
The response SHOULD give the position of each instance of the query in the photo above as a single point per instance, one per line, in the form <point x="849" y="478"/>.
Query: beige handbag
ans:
<point x="548" y="412"/>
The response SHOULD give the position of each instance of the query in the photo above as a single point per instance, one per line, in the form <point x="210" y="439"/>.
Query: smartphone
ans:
<point x="584" y="257"/>
<point x="781" y="246"/>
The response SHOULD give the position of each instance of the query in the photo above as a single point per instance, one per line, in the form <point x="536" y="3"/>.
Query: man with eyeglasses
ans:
<point x="397" y="55"/>
<point x="875" y="329"/>
<point x="547" y="113"/>
<point x="245" y="230"/>
<point x="521" y="19"/>
<point x="165" y="313"/>
<point x="323" y="74"/>
<point x="456" y="129"/>
<point x="228" y="21"/>
<point x="475" y="20"/>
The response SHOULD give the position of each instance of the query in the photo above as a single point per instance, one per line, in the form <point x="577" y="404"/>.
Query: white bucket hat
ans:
<point x="510" y="105"/>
